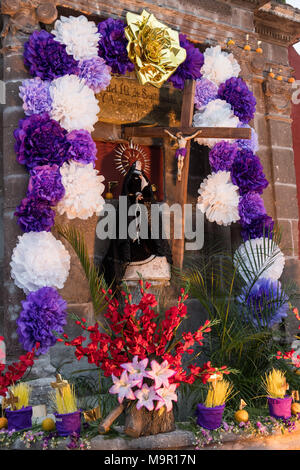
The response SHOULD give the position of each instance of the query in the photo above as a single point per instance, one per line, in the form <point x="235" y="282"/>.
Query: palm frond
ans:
<point x="95" y="280"/>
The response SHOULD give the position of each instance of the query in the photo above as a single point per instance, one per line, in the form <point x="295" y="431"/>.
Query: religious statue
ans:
<point x="181" y="148"/>
<point x="136" y="247"/>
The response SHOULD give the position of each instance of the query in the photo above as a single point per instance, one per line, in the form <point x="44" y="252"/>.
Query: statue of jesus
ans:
<point x="181" y="149"/>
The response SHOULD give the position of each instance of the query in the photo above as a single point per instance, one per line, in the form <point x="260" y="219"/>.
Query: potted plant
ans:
<point x="20" y="413"/>
<point x="210" y="414"/>
<point x="276" y="387"/>
<point x="67" y="415"/>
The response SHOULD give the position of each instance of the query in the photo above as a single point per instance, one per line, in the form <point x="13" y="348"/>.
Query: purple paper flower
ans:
<point x="247" y="173"/>
<point x="36" y="96"/>
<point x="251" y="206"/>
<point x="45" y="184"/>
<point x="47" y="58"/>
<point x="190" y="68"/>
<point x="266" y="303"/>
<point x="43" y="313"/>
<point x="40" y="141"/>
<point x="112" y="46"/>
<point x="205" y="92"/>
<point x="96" y="73"/>
<point x="82" y="147"/>
<point x="238" y="95"/>
<point x="35" y="215"/>
<point x="222" y="156"/>
<point x="248" y="144"/>
<point x="262" y="226"/>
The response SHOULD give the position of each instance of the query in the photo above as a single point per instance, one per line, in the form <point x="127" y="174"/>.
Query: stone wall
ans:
<point x="208" y="23"/>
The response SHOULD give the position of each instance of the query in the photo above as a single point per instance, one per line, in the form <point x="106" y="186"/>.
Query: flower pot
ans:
<point x="280" y="408"/>
<point x="68" y="423"/>
<point x="209" y="418"/>
<point x="19" y="419"/>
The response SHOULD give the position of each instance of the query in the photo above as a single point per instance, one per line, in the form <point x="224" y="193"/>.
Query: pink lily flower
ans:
<point x="136" y="369"/>
<point x="160" y="373"/>
<point x="166" y="395"/>
<point x="123" y="387"/>
<point x="146" y="395"/>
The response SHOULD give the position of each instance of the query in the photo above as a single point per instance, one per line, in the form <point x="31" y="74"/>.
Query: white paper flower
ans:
<point x="83" y="189"/>
<point x="219" y="198"/>
<point x="219" y="66"/>
<point x="259" y="257"/>
<point x="79" y="35"/>
<point x="74" y="104"/>
<point x="217" y="113"/>
<point x="39" y="260"/>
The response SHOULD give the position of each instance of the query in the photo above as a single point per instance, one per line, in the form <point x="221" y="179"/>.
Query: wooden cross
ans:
<point x="186" y="129"/>
<point x="59" y="384"/>
<point x="11" y="401"/>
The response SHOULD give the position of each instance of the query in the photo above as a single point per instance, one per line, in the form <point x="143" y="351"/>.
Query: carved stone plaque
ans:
<point x="126" y="101"/>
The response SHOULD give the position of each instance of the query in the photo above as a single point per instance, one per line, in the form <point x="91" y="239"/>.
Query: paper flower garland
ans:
<point x="153" y="48"/>
<point x="259" y="258"/>
<point x="36" y="96"/>
<point x="43" y="314"/>
<point x="46" y="58"/>
<point x="35" y="215"/>
<point x="222" y="155"/>
<point x="39" y="260"/>
<point x="217" y="113"/>
<point x="113" y="46"/>
<point x="266" y="302"/>
<point x="79" y="35"/>
<point x="219" y="198"/>
<point x="247" y="173"/>
<point x="95" y="73"/>
<point x="241" y="99"/>
<point x="40" y="141"/>
<point x="205" y="92"/>
<point x="73" y="103"/>
<point x="83" y="189"/>
<point x="190" y="68"/>
<point x="219" y="66"/>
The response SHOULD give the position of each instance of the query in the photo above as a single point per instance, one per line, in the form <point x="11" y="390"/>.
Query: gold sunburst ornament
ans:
<point x="127" y="154"/>
<point x="153" y="48"/>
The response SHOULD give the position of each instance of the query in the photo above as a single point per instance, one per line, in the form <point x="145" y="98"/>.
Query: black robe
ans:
<point x="123" y="251"/>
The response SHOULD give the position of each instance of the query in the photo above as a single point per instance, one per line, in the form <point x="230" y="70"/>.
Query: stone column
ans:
<point x="21" y="18"/>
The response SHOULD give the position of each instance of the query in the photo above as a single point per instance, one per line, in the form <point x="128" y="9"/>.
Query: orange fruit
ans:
<point x="3" y="423"/>
<point x="295" y="408"/>
<point x="48" y="424"/>
<point x="241" y="416"/>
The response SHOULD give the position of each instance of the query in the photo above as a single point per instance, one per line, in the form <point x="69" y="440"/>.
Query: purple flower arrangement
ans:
<point x="222" y="156"/>
<point x="40" y="141"/>
<point x="190" y="68"/>
<point x="238" y="95"/>
<point x="261" y="226"/>
<point x="36" y="96"/>
<point x="35" y="215"/>
<point x="253" y="217"/>
<point x="205" y="92"/>
<point x="95" y="73"/>
<point x="247" y="173"/>
<point x="45" y="184"/>
<point x="82" y="147"/>
<point x="112" y="46"/>
<point x="43" y="314"/>
<point x="47" y="58"/>
<point x="266" y="303"/>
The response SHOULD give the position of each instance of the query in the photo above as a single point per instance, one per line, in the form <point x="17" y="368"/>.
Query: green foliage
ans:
<point x="235" y="340"/>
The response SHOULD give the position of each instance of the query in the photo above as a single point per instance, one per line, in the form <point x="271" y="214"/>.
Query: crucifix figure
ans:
<point x="181" y="149"/>
<point x="59" y="384"/>
<point x="11" y="401"/>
